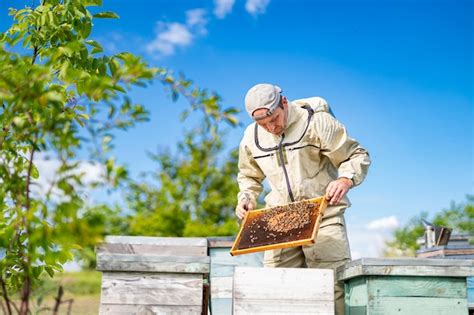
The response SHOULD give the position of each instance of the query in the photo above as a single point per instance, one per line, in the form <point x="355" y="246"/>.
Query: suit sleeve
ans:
<point x="345" y="153"/>
<point x="250" y="175"/>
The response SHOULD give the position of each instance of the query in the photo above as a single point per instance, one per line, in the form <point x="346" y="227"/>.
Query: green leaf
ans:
<point x="96" y="50"/>
<point x="49" y="270"/>
<point x="86" y="29"/>
<point x="34" y="172"/>
<point x="93" y="43"/>
<point x="106" y="15"/>
<point x="93" y="3"/>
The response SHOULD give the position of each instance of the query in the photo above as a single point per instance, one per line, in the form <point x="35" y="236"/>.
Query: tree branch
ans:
<point x="58" y="300"/>
<point x="5" y="296"/>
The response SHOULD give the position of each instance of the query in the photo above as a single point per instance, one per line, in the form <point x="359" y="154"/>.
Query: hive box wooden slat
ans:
<point x="458" y="247"/>
<point x="283" y="291"/>
<point x="144" y="275"/>
<point x="222" y="272"/>
<point x="405" y="286"/>
<point x="149" y="263"/>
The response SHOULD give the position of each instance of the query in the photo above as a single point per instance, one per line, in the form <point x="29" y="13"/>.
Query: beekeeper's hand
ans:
<point x="243" y="207"/>
<point x="337" y="189"/>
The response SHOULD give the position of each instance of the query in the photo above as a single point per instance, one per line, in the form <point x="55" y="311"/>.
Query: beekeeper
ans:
<point x="304" y="152"/>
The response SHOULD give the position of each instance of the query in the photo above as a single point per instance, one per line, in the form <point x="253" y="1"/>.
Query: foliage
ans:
<point x="459" y="217"/>
<point x="190" y="194"/>
<point x="61" y="96"/>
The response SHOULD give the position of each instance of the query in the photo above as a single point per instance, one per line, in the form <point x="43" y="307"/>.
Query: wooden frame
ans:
<point x="254" y="213"/>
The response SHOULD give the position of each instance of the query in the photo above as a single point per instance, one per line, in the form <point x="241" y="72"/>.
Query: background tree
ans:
<point x="459" y="217"/>
<point x="60" y="95"/>
<point x="191" y="193"/>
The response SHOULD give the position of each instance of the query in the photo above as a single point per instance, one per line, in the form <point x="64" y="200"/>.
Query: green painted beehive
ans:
<point x="406" y="286"/>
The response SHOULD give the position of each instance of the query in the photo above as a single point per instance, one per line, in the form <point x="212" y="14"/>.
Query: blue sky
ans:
<point x="398" y="74"/>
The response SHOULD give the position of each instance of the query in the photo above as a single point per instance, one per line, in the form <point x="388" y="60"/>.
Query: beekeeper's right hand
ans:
<point x="243" y="207"/>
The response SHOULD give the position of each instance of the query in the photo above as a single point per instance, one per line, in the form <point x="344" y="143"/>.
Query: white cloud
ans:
<point x="387" y="223"/>
<point x="171" y="35"/>
<point x="255" y="7"/>
<point x="196" y="17"/>
<point x="369" y="239"/>
<point x="223" y="8"/>
<point x="365" y="243"/>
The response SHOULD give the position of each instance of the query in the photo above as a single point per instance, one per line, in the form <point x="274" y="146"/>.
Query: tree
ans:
<point x="459" y="217"/>
<point x="61" y="95"/>
<point x="190" y="194"/>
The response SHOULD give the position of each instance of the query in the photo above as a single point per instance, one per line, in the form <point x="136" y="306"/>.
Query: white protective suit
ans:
<point x="315" y="148"/>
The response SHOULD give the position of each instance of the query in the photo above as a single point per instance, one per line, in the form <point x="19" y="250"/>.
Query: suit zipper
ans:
<point x="282" y="160"/>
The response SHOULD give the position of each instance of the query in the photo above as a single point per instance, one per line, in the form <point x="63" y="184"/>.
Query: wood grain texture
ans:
<point x="221" y="276"/>
<point x="261" y="307"/>
<point x="223" y="241"/>
<point x="356" y="292"/>
<point x="152" y="263"/>
<point x="417" y="305"/>
<point x="283" y="290"/>
<point x="120" y="309"/>
<point x="409" y="262"/>
<point x="221" y="287"/>
<point x="223" y="264"/>
<point x="417" y="287"/>
<point x="470" y="291"/>
<point x="406" y="267"/>
<point x="405" y="295"/>
<point x="151" y="289"/>
<point x="149" y="240"/>
<point x="146" y="249"/>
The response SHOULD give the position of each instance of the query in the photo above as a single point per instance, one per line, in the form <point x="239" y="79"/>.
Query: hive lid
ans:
<point x="153" y="254"/>
<point x="406" y="267"/>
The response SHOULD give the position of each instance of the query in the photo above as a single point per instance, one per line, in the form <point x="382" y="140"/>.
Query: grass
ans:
<point x="82" y="287"/>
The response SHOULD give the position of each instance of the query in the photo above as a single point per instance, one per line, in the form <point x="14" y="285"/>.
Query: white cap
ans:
<point x="262" y="96"/>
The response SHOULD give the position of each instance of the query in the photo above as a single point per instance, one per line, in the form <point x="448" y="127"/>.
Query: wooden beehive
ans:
<point x="257" y="233"/>
<point x="222" y="272"/>
<point x="152" y="275"/>
<point x="283" y="291"/>
<point x="405" y="286"/>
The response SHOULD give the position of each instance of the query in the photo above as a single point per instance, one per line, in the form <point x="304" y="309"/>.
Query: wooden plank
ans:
<point x="221" y="287"/>
<point x="469" y="252"/>
<point x="470" y="291"/>
<point x="221" y="306"/>
<point x="397" y="270"/>
<point x="152" y="263"/>
<point x="147" y="249"/>
<point x="254" y="213"/>
<point x="417" y="287"/>
<point x="417" y="305"/>
<point x="223" y="264"/>
<point x="283" y="290"/>
<point x="150" y="240"/>
<point x="409" y="262"/>
<point x="356" y="292"/>
<point x="152" y="289"/>
<point x="120" y="309"/>
<point x="217" y="242"/>
<point x="356" y="310"/>
<point x="286" y="283"/>
<point x="256" y="306"/>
